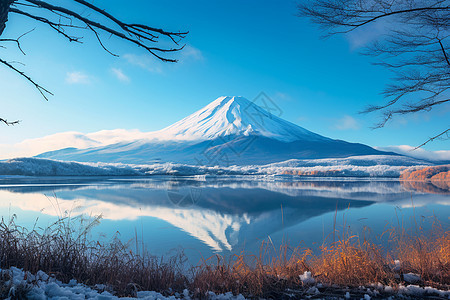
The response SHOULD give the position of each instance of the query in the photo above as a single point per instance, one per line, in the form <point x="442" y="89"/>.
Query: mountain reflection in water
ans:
<point x="221" y="213"/>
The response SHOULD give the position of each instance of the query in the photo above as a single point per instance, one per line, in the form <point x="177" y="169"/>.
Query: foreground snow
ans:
<point x="42" y="286"/>
<point x="356" y="166"/>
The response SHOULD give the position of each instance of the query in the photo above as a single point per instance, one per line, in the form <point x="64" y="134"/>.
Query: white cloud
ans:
<point x="77" y="77"/>
<point x="347" y="123"/>
<point x="106" y="137"/>
<point x="36" y="146"/>
<point x="418" y="153"/>
<point x="31" y="147"/>
<point x="120" y="75"/>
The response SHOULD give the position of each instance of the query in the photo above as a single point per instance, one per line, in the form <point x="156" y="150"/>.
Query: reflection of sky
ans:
<point x="216" y="216"/>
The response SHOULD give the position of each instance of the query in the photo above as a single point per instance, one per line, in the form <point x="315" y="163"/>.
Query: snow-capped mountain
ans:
<point x="234" y="116"/>
<point x="229" y="130"/>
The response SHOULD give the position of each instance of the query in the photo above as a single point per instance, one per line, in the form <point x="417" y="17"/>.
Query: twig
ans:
<point x="433" y="138"/>
<point x="40" y="88"/>
<point x="8" y="122"/>
<point x="17" y="41"/>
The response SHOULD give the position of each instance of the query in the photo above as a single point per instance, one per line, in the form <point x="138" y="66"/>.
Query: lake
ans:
<point x="224" y="215"/>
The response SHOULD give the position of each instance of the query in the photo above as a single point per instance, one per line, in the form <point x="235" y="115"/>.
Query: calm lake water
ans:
<point x="207" y="215"/>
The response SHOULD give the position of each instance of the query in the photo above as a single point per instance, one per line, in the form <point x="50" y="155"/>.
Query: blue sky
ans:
<point x="233" y="48"/>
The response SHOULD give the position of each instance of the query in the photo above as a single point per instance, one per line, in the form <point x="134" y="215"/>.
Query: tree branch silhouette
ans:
<point x="414" y="46"/>
<point x="72" y="18"/>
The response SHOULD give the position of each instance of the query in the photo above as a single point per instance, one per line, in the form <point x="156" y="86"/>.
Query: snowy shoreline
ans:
<point x="371" y="166"/>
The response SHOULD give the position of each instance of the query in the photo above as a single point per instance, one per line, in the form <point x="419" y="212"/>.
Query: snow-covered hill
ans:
<point x="228" y="131"/>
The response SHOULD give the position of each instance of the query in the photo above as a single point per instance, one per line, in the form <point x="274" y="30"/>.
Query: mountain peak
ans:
<point x="227" y="99"/>
<point x="234" y="115"/>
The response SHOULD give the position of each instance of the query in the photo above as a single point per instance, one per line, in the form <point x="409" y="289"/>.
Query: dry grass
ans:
<point x="348" y="262"/>
<point x="264" y="275"/>
<point x="351" y="261"/>
<point x="68" y="253"/>
<point x="64" y="250"/>
<point x="426" y="253"/>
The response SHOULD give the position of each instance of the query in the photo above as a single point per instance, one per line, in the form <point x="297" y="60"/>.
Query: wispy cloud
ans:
<point x="150" y="63"/>
<point x="282" y="96"/>
<point x="145" y="62"/>
<point x="77" y="77"/>
<point x="441" y="155"/>
<point x="191" y="53"/>
<point x="347" y="123"/>
<point x="366" y="35"/>
<point x="118" y="73"/>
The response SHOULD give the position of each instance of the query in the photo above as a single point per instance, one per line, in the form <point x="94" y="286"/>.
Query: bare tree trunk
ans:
<point x="4" y="10"/>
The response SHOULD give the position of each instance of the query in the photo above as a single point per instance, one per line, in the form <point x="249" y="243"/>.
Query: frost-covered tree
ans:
<point x="71" y="19"/>
<point x="414" y="46"/>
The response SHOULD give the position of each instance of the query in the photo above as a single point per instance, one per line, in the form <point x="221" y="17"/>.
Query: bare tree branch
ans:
<point x="17" y="41"/>
<point x="100" y="41"/>
<point x="137" y="32"/>
<point x="56" y="26"/>
<point x="406" y="11"/>
<point x="84" y="16"/>
<point x="443" y="52"/>
<point x="414" y="47"/>
<point x="43" y="91"/>
<point x="440" y="135"/>
<point x="4" y="121"/>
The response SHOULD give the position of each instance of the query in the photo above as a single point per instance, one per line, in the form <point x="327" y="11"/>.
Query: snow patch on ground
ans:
<point x="42" y="286"/>
<point x="411" y="278"/>
<point x="306" y="278"/>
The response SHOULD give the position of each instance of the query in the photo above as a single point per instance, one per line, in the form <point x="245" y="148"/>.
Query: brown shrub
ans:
<point x="427" y="173"/>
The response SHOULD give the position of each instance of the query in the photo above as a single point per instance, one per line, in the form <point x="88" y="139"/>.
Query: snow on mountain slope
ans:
<point x="228" y="131"/>
<point x="234" y="116"/>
